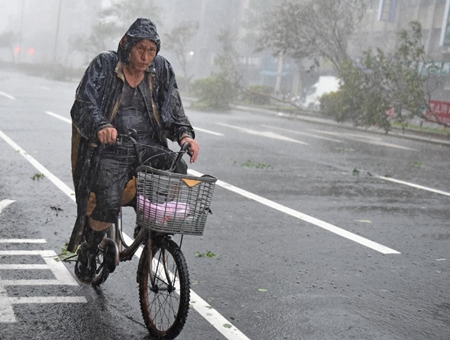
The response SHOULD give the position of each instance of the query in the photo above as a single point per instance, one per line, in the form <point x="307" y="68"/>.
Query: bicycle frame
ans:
<point x="125" y="252"/>
<point x="162" y="273"/>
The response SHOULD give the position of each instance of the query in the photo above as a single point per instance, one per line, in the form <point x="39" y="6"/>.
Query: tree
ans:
<point x="402" y="83"/>
<point x="312" y="29"/>
<point x="7" y="40"/>
<point x="222" y="88"/>
<point x="113" y="23"/>
<point x="177" y="41"/>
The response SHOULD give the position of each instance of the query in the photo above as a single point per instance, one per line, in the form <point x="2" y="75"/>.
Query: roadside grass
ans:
<point x="285" y="108"/>
<point x="434" y="130"/>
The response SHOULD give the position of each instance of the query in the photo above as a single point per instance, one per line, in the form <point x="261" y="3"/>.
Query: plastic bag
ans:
<point x="162" y="212"/>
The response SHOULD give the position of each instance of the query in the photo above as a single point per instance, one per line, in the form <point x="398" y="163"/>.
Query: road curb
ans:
<point x="411" y="135"/>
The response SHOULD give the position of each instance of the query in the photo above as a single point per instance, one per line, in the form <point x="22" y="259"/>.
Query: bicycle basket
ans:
<point x="173" y="203"/>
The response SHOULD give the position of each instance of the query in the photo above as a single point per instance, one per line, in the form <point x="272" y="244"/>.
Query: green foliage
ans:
<point x="221" y="89"/>
<point x="37" y="177"/>
<point x="208" y="254"/>
<point x="359" y="100"/>
<point x="312" y="29"/>
<point x="215" y="92"/>
<point x="251" y="164"/>
<point x="178" y="41"/>
<point x="113" y="22"/>
<point x="257" y="94"/>
<point x="400" y="83"/>
<point x="66" y="255"/>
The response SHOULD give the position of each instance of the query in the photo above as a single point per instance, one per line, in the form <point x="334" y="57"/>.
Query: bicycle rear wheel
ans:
<point x="164" y="288"/>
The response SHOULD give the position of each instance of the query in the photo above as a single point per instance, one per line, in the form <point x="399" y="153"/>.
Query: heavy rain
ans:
<point x="325" y="124"/>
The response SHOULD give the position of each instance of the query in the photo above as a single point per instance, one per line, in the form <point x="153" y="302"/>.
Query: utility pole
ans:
<point x="55" y="45"/>
<point x="279" y="74"/>
<point x="22" y="15"/>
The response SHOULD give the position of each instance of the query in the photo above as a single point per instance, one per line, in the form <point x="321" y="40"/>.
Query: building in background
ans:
<point x="44" y="31"/>
<point x="385" y="18"/>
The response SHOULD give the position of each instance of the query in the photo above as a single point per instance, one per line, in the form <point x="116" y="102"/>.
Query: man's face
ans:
<point x="142" y="55"/>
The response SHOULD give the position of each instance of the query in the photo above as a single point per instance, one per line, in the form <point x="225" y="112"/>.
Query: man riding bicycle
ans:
<point x="133" y="88"/>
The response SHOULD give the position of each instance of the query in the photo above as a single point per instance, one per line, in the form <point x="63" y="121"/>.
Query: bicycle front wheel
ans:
<point x="164" y="288"/>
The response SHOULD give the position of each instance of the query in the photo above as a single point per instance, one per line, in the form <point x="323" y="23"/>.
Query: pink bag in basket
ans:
<point x="162" y="212"/>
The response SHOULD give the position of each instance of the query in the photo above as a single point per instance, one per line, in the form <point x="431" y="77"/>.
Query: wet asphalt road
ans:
<point x="312" y="238"/>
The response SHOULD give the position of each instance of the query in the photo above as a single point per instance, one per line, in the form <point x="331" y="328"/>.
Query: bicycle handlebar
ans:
<point x="184" y="149"/>
<point x="132" y="136"/>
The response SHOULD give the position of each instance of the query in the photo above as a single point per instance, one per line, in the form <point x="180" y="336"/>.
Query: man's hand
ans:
<point x="194" y="148"/>
<point x="107" y="135"/>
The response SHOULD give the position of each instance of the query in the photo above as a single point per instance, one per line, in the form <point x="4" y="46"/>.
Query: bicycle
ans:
<point x="167" y="203"/>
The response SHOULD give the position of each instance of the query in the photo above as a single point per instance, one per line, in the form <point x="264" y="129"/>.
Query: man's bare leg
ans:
<point x="98" y="225"/>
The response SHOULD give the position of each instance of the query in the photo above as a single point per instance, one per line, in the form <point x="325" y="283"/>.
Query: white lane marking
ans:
<point x="64" y="119"/>
<point x="302" y="133"/>
<point x="55" y="180"/>
<point x="6" y="310"/>
<point x="23" y="266"/>
<point x="324" y="225"/>
<point x="6" y="303"/>
<point x="68" y="120"/>
<point x="59" y="271"/>
<point x="233" y="332"/>
<point x="267" y="134"/>
<point x="7" y="95"/>
<point x="22" y="240"/>
<point x="364" y="139"/>
<point x="30" y="283"/>
<point x="207" y="131"/>
<point x="5" y="203"/>
<point x="414" y="185"/>
<point x="205" y="310"/>
<point x="49" y="299"/>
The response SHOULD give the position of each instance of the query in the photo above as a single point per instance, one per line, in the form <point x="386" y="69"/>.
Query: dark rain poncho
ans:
<point x="97" y="101"/>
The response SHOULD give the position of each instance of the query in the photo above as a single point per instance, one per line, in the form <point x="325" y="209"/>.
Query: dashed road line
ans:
<point x="208" y="131"/>
<point x="22" y="240"/>
<point x="303" y="133"/>
<point x="62" y="275"/>
<point x="414" y="185"/>
<point x="52" y="263"/>
<point x="64" y="119"/>
<point x="267" y="134"/>
<point x="205" y="310"/>
<point x="211" y="316"/>
<point x="42" y="169"/>
<point x="364" y="139"/>
<point x="322" y="224"/>
<point x="7" y="95"/>
<point x="23" y="266"/>
<point x="5" y="203"/>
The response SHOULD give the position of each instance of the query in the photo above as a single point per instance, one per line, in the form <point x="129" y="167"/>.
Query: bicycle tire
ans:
<point x="105" y="263"/>
<point x="102" y="271"/>
<point x="164" y="304"/>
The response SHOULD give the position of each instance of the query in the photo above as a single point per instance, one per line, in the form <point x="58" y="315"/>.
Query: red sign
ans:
<point x="441" y="110"/>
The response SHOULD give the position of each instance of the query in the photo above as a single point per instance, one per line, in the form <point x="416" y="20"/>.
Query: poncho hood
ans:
<point x="142" y="28"/>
